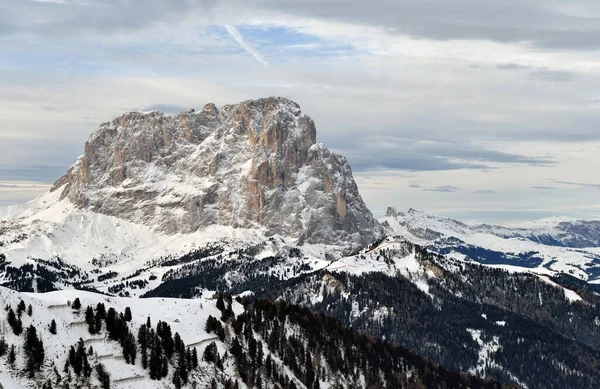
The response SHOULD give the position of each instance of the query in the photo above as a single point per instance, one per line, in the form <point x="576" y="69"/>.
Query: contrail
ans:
<point x="235" y="34"/>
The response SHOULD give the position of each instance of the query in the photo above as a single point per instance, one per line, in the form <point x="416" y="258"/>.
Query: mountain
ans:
<point x="250" y="165"/>
<point x="548" y="246"/>
<point x="80" y="339"/>
<point x="152" y="188"/>
<point x="554" y="231"/>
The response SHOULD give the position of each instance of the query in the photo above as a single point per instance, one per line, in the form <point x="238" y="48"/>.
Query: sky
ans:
<point x="478" y="110"/>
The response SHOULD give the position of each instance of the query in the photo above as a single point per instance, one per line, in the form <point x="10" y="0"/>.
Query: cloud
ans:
<point x="235" y="34"/>
<point x="390" y="152"/>
<point x="553" y="75"/>
<point x="540" y="72"/>
<point x="443" y="188"/>
<point x="512" y="66"/>
<point x="537" y="23"/>
<point x="165" y="108"/>
<point x="438" y="91"/>
<point x="41" y="174"/>
<point x="580" y="184"/>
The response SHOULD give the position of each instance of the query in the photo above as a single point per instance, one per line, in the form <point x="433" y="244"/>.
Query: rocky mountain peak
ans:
<point x="255" y="164"/>
<point x="391" y="212"/>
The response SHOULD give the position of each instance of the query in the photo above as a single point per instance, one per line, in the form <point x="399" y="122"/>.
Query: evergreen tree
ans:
<point x="90" y="319"/>
<point x="155" y="363"/>
<point x="15" y="322"/>
<point x="211" y="353"/>
<point x="176" y="381"/>
<point x="53" y="327"/>
<point x="111" y="317"/>
<point x="34" y="351"/>
<point x="3" y="346"/>
<point x="103" y="376"/>
<point x="29" y="310"/>
<point x="194" y="358"/>
<point x="128" y="316"/>
<point x="100" y="316"/>
<point x="143" y="342"/>
<point x="12" y="356"/>
<point x="21" y="308"/>
<point x="182" y="368"/>
<point x="76" y="304"/>
<point x="220" y="303"/>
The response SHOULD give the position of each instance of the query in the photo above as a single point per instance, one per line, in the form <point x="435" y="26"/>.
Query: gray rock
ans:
<point x="253" y="165"/>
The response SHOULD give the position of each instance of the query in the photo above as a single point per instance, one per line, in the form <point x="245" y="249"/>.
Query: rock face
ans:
<point x="253" y="165"/>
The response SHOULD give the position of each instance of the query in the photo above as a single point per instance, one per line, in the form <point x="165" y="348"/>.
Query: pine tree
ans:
<point x="176" y="381"/>
<point x="155" y="362"/>
<point x="182" y="367"/>
<point x="21" y="308"/>
<point x="15" y="322"/>
<point x="194" y="358"/>
<point x="143" y="342"/>
<point x="76" y="304"/>
<point x="29" y="310"/>
<point x="128" y="316"/>
<point x="34" y="351"/>
<point x="90" y="319"/>
<point x="12" y="356"/>
<point x="53" y="327"/>
<point x="220" y="303"/>
<point x="103" y="376"/>
<point x="3" y="346"/>
<point x="211" y="353"/>
<point x="111" y="317"/>
<point x="100" y="316"/>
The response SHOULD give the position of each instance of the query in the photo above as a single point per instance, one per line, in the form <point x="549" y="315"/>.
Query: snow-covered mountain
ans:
<point x="250" y="165"/>
<point x="548" y="246"/>
<point x="151" y="187"/>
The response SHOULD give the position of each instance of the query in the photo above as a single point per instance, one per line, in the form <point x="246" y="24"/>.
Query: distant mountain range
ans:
<point x="549" y="246"/>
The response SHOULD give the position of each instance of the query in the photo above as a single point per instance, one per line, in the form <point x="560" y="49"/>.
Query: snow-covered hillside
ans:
<point x="552" y="246"/>
<point x="107" y="250"/>
<point x="186" y="317"/>
<point x="200" y="343"/>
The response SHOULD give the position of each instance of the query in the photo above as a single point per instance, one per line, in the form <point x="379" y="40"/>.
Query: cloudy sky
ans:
<point x="482" y="110"/>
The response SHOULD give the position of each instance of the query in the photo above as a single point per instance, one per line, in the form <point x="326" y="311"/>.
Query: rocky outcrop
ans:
<point x="253" y="165"/>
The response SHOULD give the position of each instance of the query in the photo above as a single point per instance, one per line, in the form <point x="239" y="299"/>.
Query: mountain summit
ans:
<point x="255" y="164"/>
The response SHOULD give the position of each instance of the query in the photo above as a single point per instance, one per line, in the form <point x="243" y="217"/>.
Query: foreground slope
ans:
<point x="205" y="342"/>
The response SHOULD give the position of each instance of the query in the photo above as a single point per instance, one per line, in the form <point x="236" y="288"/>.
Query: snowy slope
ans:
<point x="186" y="317"/>
<point x="48" y="228"/>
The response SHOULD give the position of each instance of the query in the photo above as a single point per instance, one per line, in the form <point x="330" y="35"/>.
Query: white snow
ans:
<point x="374" y="261"/>
<point x="176" y="312"/>
<point x="569" y="294"/>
